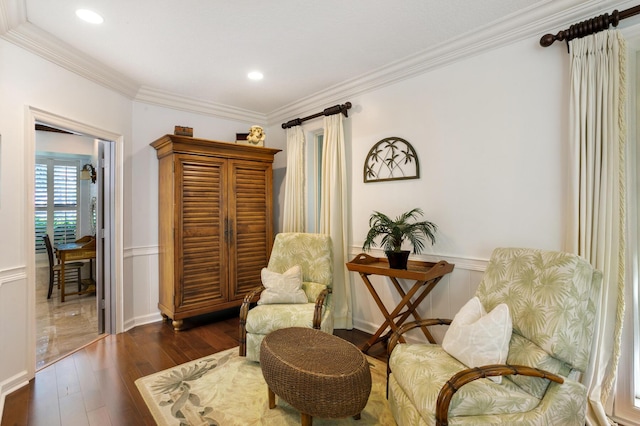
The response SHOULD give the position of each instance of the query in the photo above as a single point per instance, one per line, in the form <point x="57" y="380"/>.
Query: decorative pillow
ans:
<point x="477" y="338"/>
<point x="282" y="288"/>
<point x="312" y="290"/>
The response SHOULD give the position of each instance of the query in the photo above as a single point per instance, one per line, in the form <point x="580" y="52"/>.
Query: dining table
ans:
<point x="82" y="249"/>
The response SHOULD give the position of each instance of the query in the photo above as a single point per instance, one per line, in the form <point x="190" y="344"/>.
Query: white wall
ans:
<point x="491" y="145"/>
<point x="491" y="142"/>
<point x="27" y="80"/>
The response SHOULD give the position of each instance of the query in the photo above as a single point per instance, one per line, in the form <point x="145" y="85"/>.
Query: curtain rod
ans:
<point x="337" y="109"/>
<point x="590" y="26"/>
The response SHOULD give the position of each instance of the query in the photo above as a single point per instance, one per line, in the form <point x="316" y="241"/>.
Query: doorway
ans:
<point x="104" y="225"/>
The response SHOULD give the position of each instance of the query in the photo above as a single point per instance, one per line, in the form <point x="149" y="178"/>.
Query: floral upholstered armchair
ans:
<point x="296" y="291"/>
<point x="551" y="299"/>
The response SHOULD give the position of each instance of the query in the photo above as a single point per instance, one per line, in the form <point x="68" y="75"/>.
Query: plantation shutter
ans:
<point x="56" y="201"/>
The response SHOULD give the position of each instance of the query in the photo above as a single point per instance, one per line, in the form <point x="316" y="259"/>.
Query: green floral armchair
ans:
<point x="314" y="254"/>
<point x="552" y="298"/>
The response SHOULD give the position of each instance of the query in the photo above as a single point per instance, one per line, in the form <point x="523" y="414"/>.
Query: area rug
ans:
<point x="224" y="389"/>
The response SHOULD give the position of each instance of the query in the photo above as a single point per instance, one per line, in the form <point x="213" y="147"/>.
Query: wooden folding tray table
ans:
<point x="426" y="276"/>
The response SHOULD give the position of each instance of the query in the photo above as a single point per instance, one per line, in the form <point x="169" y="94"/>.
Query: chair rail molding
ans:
<point x="141" y="251"/>
<point x="12" y="274"/>
<point x="466" y="263"/>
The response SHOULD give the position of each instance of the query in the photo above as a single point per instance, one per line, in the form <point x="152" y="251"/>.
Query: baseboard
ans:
<point x="366" y="326"/>
<point x="142" y="320"/>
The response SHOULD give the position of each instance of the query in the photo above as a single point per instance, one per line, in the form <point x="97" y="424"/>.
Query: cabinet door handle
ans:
<point x="230" y="231"/>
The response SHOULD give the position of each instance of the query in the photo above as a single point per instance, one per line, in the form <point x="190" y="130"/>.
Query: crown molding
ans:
<point x="12" y="14"/>
<point x="531" y="23"/>
<point x="163" y="98"/>
<point x="41" y="43"/>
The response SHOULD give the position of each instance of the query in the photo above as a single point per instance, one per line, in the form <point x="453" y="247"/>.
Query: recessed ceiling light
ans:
<point x="255" y="75"/>
<point x="89" y="16"/>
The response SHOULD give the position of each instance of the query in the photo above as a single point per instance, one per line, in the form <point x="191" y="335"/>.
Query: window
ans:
<point x="314" y="181"/>
<point x="56" y="200"/>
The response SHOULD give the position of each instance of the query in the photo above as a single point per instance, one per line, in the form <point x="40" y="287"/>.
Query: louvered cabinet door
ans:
<point x="201" y="265"/>
<point x="250" y="214"/>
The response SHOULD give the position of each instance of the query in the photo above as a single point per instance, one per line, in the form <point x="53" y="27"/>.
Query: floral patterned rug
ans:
<point x="224" y="389"/>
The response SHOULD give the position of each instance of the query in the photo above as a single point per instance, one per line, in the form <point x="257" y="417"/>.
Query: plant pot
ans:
<point x="398" y="259"/>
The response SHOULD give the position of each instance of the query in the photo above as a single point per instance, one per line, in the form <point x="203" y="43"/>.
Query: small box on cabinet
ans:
<point x="183" y="131"/>
<point x="241" y="138"/>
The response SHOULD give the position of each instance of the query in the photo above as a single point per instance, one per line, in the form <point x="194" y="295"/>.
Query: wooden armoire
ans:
<point x="215" y="218"/>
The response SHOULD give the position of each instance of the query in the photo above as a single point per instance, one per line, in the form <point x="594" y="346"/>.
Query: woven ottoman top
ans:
<point x="315" y="351"/>
<point x="318" y="373"/>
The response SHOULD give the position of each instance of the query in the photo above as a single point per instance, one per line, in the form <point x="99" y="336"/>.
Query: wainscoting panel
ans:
<point x="14" y="331"/>
<point x="141" y="264"/>
<point x="444" y="301"/>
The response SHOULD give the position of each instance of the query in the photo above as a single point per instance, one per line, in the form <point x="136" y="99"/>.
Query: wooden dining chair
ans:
<point x="54" y="268"/>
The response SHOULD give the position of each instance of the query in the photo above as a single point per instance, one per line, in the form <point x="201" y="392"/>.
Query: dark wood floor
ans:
<point x="95" y="385"/>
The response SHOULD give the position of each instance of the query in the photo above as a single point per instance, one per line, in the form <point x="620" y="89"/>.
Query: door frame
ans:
<point x="33" y="115"/>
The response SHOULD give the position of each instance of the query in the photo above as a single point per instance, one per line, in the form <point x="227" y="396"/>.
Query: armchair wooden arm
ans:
<point x="317" y="312"/>
<point x="469" y="375"/>
<point x="396" y="336"/>
<point x="251" y="297"/>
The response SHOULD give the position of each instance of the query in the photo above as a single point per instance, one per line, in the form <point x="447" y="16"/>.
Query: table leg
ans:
<point x="404" y="303"/>
<point x="411" y="306"/>
<point x="62" y="280"/>
<point x="306" y="420"/>
<point x="272" y="398"/>
<point x="372" y="341"/>
<point x="395" y="319"/>
<point x="389" y="322"/>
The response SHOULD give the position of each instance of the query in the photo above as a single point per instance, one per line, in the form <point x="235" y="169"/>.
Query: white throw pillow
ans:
<point x="282" y="288"/>
<point x="477" y="338"/>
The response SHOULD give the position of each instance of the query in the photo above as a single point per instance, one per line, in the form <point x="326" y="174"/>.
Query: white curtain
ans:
<point x="295" y="199"/>
<point x="597" y="222"/>
<point x="334" y="216"/>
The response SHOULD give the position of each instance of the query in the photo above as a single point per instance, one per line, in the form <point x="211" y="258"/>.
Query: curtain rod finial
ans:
<point x="547" y="40"/>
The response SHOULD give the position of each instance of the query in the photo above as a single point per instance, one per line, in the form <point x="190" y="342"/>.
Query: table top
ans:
<point x="84" y="243"/>
<point x="416" y="270"/>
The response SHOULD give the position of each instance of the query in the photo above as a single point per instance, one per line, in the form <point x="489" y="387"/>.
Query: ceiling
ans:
<point x="202" y="50"/>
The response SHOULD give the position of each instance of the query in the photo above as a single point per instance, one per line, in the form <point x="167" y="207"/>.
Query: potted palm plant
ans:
<point x="395" y="232"/>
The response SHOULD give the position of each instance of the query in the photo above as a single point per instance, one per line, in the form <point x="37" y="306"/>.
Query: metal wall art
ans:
<point x="391" y="159"/>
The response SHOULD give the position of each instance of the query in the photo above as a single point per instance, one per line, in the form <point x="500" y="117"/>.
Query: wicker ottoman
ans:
<point x="319" y="374"/>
